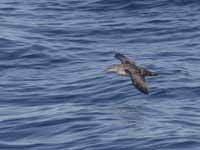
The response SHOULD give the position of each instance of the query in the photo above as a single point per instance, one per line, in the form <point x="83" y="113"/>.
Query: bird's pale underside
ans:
<point x="137" y="74"/>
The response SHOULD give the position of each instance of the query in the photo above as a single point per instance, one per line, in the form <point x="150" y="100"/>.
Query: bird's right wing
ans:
<point x="123" y="59"/>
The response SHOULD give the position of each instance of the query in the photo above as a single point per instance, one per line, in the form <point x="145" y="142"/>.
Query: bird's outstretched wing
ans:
<point x="123" y="59"/>
<point x="138" y="80"/>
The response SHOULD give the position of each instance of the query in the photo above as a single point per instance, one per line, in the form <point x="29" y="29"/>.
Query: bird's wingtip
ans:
<point x="146" y="92"/>
<point x="118" y="55"/>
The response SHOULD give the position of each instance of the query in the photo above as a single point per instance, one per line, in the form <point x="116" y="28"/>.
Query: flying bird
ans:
<point x="129" y="68"/>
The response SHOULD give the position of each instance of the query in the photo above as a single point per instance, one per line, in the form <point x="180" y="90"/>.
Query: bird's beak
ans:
<point x="154" y="74"/>
<point x="110" y="68"/>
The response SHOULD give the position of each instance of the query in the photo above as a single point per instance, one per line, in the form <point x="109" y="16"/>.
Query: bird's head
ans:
<point x="117" y="68"/>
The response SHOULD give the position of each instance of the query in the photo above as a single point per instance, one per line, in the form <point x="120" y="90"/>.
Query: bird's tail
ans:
<point x="146" y="72"/>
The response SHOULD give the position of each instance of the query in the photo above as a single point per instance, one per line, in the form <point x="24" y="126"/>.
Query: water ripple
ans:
<point x="55" y="90"/>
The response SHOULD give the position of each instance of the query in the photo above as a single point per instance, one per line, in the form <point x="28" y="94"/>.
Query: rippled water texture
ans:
<point x="55" y="93"/>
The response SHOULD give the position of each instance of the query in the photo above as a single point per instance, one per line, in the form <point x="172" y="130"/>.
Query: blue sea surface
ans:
<point x="55" y="92"/>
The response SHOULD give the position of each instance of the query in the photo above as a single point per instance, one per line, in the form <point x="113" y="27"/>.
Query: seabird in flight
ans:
<point x="137" y="74"/>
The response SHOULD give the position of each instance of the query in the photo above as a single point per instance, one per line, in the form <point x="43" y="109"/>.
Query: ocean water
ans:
<point x="55" y="92"/>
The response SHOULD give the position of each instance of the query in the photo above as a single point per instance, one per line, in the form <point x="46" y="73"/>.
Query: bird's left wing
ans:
<point x="138" y="80"/>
